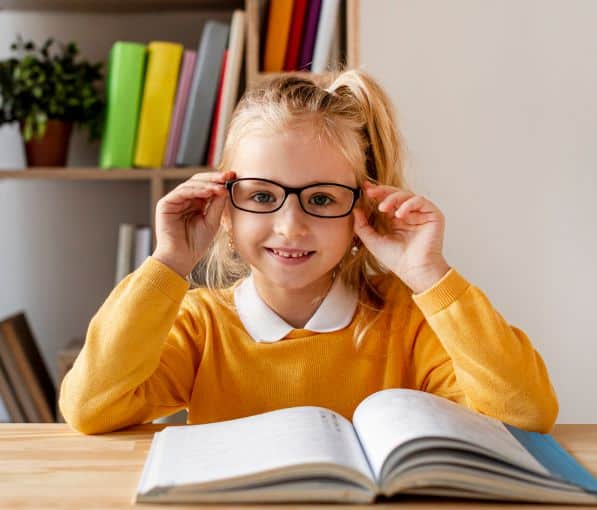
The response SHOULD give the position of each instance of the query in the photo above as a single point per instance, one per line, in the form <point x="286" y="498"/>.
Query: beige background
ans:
<point x="497" y="102"/>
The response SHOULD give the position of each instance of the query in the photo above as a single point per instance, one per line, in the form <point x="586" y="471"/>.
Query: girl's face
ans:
<point x="292" y="159"/>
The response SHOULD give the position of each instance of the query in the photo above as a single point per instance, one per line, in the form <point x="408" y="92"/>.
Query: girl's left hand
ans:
<point x="412" y="249"/>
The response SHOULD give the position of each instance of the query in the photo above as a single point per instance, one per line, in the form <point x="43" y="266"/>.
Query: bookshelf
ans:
<point x="160" y="178"/>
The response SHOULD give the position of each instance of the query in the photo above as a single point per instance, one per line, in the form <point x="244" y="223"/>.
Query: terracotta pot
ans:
<point x="52" y="148"/>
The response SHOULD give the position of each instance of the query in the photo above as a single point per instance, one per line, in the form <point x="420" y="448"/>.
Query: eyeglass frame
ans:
<point x="289" y="190"/>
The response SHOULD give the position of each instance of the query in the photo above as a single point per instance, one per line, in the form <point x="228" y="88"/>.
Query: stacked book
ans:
<point x="168" y="105"/>
<point x="27" y="392"/>
<point x="302" y="35"/>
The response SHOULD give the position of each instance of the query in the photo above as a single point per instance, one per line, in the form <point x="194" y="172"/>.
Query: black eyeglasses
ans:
<point x="262" y="196"/>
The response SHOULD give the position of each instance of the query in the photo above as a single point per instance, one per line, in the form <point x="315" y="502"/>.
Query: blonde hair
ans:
<point x="348" y="109"/>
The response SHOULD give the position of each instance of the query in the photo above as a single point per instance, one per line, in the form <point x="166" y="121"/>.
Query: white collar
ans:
<point x="264" y="325"/>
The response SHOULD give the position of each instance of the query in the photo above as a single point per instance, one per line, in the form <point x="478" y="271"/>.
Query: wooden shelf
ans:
<point x="102" y="6"/>
<point x="157" y="177"/>
<point x="100" y="174"/>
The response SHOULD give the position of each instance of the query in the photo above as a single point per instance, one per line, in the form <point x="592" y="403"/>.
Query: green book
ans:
<point x="124" y="90"/>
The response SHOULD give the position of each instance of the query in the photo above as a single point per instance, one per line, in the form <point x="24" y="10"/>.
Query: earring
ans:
<point x="230" y="242"/>
<point x="354" y="248"/>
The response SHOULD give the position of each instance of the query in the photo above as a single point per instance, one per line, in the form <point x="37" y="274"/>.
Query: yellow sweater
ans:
<point x="156" y="347"/>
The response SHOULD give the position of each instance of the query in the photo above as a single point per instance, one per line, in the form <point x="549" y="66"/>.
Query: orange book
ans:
<point x="278" y="28"/>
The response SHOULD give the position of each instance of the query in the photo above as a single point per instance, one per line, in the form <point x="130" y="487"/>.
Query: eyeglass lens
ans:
<point x="261" y="196"/>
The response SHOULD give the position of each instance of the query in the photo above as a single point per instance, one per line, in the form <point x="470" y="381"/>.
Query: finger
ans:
<point x="413" y="218"/>
<point x="202" y="187"/>
<point x="415" y="204"/>
<point x="379" y="191"/>
<point x="406" y="224"/>
<point x="220" y="177"/>
<point x="186" y="195"/>
<point x="394" y="200"/>
<point x="383" y="193"/>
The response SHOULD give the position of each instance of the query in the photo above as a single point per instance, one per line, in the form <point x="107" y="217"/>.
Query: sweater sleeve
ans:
<point x="140" y="355"/>
<point x="465" y="351"/>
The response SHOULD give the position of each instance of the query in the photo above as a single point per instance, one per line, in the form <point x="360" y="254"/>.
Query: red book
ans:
<point x="295" y="35"/>
<point x="214" y="124"/>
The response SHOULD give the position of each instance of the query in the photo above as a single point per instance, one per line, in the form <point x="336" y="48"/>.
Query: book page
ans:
<point x="200" y="454"/>
<point x="389" y="418"/>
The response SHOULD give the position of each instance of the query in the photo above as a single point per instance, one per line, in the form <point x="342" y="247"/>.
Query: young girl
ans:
<point x="326" y="282"/>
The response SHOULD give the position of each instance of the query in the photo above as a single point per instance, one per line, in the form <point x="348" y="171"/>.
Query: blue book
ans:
<point x="399" y="441"/>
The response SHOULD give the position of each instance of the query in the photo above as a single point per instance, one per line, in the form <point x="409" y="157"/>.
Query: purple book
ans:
<point x="182" y="96"/>
<point x="309" y="35"/>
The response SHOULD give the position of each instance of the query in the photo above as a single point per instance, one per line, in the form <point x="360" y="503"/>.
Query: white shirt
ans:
<point x="264" y="325"/>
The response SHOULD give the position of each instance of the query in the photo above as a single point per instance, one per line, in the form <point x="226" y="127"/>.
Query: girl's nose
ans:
<point x="290" y="220"/>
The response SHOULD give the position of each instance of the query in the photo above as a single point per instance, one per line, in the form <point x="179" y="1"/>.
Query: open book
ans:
<point x="400" y="442"/>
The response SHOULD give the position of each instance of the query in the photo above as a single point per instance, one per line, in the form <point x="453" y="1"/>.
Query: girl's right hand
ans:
<point x="187" y="219"/>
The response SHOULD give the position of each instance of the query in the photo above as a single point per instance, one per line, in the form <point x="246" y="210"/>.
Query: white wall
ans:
<point x="497" y="102"/>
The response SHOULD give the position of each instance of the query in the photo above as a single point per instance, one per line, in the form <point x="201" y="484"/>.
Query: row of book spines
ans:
<point x="134" y="246"/>
<point x="161" y="99"/>
<point x="302" y="35"/>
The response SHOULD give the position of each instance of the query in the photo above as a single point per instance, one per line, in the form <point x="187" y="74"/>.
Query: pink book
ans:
<point x="182" y="96"/>
<point x="214" y="125"/>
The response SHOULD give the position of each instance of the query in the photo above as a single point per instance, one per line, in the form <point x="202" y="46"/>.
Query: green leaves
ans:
<point x="48" y="83"/>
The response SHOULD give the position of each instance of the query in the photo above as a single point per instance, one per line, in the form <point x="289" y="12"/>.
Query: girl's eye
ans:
<point x="321" y="200"/>
<point x="263" y="197"/>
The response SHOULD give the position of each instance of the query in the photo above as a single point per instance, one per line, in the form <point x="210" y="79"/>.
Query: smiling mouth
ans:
<point x="291" y="255"/>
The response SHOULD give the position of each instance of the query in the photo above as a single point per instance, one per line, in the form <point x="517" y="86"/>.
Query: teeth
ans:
<point x="290" y="255"/>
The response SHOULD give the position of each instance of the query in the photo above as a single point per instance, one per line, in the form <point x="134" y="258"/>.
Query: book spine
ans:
<point x="295" y="36"/>
<point x="142" y="244"/>
<point x="126" y="239"/>
<point x="197" y="121"/>
<point x="336" y="56"/>
<point x="280" y="15"/>
<point x="158" y="101"/>
<point x="328" y="21"/>
<point x="216" y="119"/>
<point x="231" y="81"/>
<point x="310" y="34"/>
<point x="126" y="70"/>
<point x="182" y="99"/>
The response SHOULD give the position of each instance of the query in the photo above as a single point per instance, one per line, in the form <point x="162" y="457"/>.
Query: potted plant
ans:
<point x="47" y="91"/>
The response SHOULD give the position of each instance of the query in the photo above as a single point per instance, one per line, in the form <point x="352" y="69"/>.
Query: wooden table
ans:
<point x="51" y="466"/>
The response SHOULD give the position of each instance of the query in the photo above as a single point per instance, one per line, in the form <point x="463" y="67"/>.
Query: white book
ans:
<point x="400" y="441"/>
<point x="327" y="25"/>
<point x="142" y="244"/>
<point x="124" y="251"/>
<point x="336" y="56"/>
<point x="231" y="79"/>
